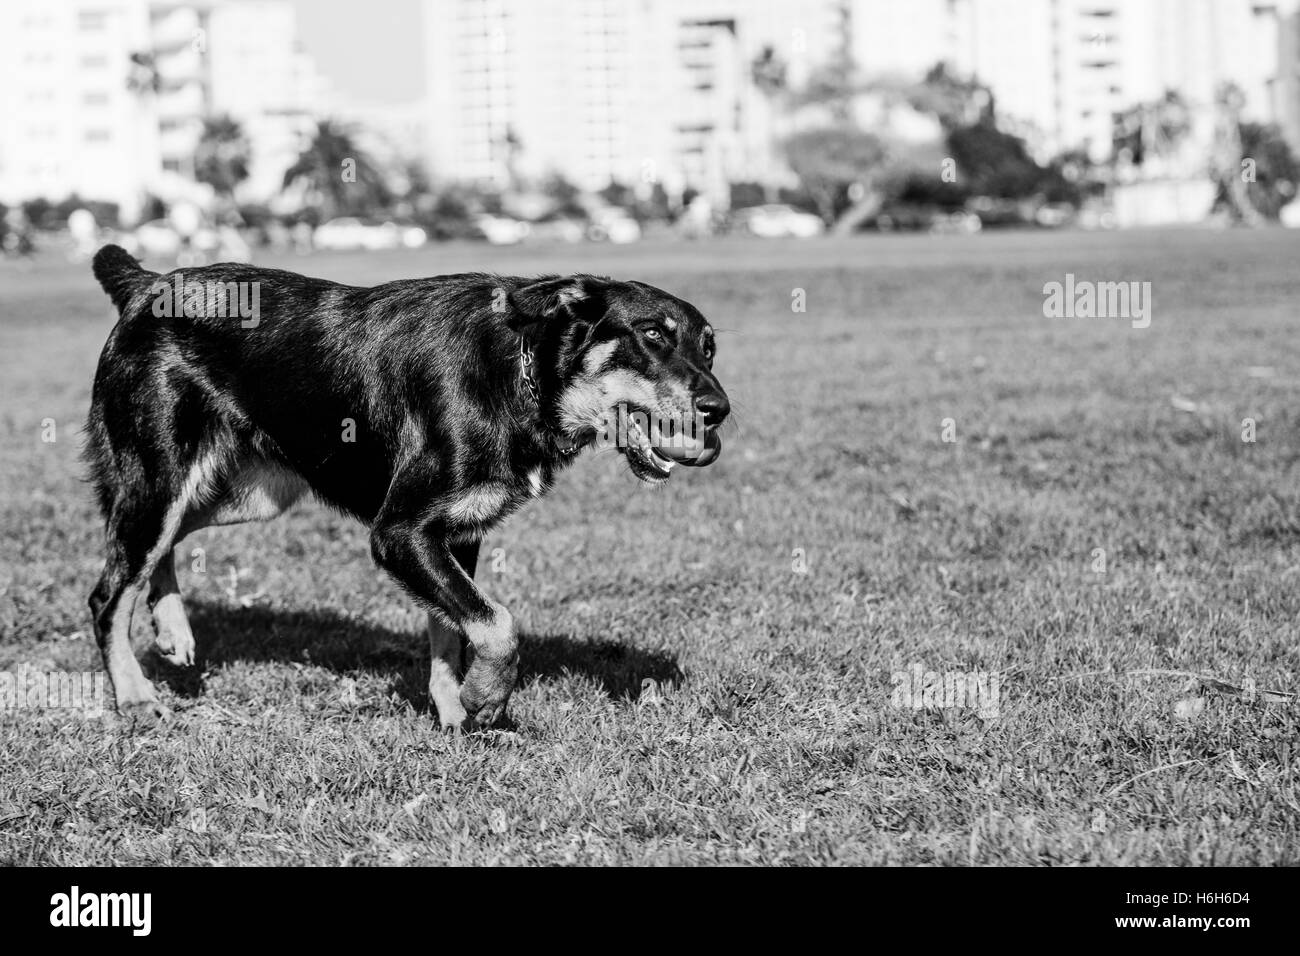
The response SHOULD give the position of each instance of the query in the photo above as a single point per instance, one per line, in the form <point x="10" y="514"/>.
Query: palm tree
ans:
<point x="768" y="74"/>
<point x="1234" y="192"/>
<point x="223" y="156"/>
<point x="339" y="177"/>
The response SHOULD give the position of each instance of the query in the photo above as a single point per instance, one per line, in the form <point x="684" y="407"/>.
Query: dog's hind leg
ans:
<point x="246" y="489"/>
<point x="446" y="646"/>
<point x="142" y="527"/>
<point x="173" y="638"/>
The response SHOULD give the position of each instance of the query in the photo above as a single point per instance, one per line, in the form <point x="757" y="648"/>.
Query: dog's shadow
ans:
<point x="226" y="635"/>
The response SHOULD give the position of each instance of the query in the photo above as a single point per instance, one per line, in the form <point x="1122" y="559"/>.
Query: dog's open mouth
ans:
<point x="646" y="462"/>
<point x="653" y="464"/>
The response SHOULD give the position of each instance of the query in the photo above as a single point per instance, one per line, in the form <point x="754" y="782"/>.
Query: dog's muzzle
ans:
<point x="653" y="456"/>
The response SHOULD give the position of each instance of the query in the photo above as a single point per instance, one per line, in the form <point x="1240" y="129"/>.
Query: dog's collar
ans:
<point x="563" y="444"/>
<point x="526" y="370"/>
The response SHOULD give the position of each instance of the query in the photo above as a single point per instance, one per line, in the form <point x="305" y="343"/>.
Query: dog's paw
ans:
<point x="143" y="712"/>
<point x="451" y="715"/>
<point x="488" y="685"/>
<point x="175" y="649"/>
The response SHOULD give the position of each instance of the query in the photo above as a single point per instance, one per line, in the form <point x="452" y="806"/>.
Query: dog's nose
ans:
<point x="714" y="407"/>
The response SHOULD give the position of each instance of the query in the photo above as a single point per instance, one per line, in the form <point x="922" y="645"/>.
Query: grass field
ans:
<point x="687" y="694"/>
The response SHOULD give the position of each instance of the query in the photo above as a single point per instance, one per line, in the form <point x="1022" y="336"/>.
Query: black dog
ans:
<point x="429" y="409"/>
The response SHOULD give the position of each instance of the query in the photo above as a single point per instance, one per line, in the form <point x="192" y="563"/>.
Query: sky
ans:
<point x="369" y="49"/>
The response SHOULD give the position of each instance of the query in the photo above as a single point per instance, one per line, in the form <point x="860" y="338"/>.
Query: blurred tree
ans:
<point x="340" y="178"/>
<point x="1151" y="130"/>
<point x="994" y="163"/>
<point x="142" y="75"/>
<point x="767" y="72"/>
<point x="223" y="156"/>
<point x="1268" y="169"/>
<point x="617" y="194"/>
<point x="838" y="166"/>
<point x="955" y="102"/>
<point x="564" y="195"/>
<point x="1254" y="167"/>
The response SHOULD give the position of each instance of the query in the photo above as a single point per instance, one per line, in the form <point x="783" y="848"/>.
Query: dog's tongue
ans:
<point x="696" y="454"/>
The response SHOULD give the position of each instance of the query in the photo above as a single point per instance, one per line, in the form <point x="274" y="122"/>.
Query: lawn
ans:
<point x="707" y="668"/>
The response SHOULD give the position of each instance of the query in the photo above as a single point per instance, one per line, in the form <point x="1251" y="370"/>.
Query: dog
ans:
<point x="429" y="409"/>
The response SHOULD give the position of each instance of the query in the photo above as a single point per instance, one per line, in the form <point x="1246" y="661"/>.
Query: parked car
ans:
<point x="557" y="230"/>
<point x="778" y="221"/>
<point x="997" y="213"/>
<point x="155" y="238"/>
<point x="956" y="224"/>
<point x="613" y="225"/>
<point x="348" y="232"/>
<point x="1054" y="215"/>
<point x="502" y="231"/>
<point x="905" y="217"/>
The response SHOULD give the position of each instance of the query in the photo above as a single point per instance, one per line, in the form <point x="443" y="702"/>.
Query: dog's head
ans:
<point x="625" y="364"/>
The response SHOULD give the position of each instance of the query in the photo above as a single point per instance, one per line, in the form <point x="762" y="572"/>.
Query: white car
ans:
<point x="348" y="232"/>
<point x="156" y="239"/>
<point x="1290" y="215"/>
<point x="501" y="231"/>
<point x="779" y="221"/>
<point x="613" y="225"/>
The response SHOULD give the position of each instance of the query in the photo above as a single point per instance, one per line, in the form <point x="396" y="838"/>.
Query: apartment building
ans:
<point x="639" y="92"/>
<point x="105" y="99"/>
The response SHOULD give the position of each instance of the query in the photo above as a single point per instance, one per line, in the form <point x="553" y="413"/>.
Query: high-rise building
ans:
<point x="105" y="99"/>
<point x="75" y="114"/>
<point x="1060" y="69"/>
<point x="260" y="76"/>
<point x="638" y="92"/>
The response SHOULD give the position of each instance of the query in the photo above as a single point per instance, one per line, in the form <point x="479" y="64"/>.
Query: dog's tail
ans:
<point x="120" y="274"/>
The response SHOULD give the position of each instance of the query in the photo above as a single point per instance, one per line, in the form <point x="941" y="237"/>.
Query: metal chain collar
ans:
<point x="566" y="446"/>
<point x="526" y="370"/>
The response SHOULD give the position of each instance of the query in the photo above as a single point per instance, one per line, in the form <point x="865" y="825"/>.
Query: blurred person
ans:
<point x="301" y="234"/>
<point x="187" y="219"/>
<point x="697" y="218"/>
<point x="84" y="232"/>
<point x="18" y="234"/>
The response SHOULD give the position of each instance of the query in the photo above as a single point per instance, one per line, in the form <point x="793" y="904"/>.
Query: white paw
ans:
<point x="176" y="649"/>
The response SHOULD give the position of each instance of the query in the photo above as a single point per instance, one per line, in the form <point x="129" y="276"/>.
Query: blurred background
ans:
<point x="201" y="129"/>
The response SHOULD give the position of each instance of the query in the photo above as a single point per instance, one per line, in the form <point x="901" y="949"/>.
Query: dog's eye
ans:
<point x="708" y="352"/>
<point x="654" y="335"/>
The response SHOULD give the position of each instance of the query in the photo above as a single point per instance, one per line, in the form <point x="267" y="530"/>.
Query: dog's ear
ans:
<point x="539" y="302"/>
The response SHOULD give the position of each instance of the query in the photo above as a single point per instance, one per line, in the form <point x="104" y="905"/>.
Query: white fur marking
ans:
<point x="495" y="638"/>
<point x="480" y="503"/>
<point x="597" y="356"/>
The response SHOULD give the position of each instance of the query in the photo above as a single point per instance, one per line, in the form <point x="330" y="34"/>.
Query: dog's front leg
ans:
<point x="445" y="647"/>
<point x="413" y="547"/>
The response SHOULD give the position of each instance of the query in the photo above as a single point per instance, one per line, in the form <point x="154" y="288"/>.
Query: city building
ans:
<point x="1060" y="69"/>
<point x="636" y="92"/>
<point x="260" y="76"/>
<point x="76" y="116"/>
<point x="105" y="99"/>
